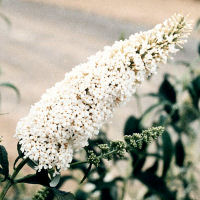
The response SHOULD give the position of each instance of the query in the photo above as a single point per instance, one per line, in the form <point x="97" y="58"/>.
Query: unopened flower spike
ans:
<point x="119" y="148"/>
<point x="74" y="110"/>
<point x="137" y="139"/>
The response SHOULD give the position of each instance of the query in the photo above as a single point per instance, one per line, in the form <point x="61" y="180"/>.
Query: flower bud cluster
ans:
<point x="118" y="148"/>
<point x="41" y="194"/>
<point x="93" y="158"/>
<point x="137" y="139"/>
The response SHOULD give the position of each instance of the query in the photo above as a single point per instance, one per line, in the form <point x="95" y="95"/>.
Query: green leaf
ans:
<point x="199" y="49"/>
<point x="194" y="90"/>
<point x="5" y="18"/>
<point x="156" y="185"/>
<point x="167" y="152"/>
<point x="132" y="125"/>
<point x="197" y="25"/>
<point x="40" y="178"/>
<point x="151" y="94"/>
<point x="181" y="62"/>
<point x="179" y="153"/>
<point x="10" y="85"/>
<point x="150" y="109"/>
<point x="30" y="179"/>
<point x="4" y="161"/>
<point x="110" y="192"/>
<point x="147" y="195"/>
<point x="81" y="195"/>
<point x="1" y="170"/>
<point x="32" y="164"/>
<point x="167" y="91"/>
<point x="16" y="160"/>
<point x="138" y="164"/>
<point x="61" y="195"/>
<point x="54" y="182"/>
<point x="21" y="155"/>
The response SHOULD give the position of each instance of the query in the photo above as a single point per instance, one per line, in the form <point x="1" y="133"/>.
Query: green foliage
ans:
<point x="194" y="90"/>
<point x="179" y="153"/>
<point x="167" y="152"/>
<point x="54" y="181"/>
<point x="132" y="125"/>
<point x="197" y="26"/>
<point x="5" y="19"/>
<point x="11" y="86"/>
<point x="4" y="170"/>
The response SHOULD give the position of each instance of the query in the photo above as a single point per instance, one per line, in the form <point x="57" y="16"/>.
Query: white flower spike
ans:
<point x="72" y="111"/>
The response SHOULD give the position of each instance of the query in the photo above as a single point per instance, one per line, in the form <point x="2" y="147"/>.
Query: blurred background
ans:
<point x="41" y="40"/>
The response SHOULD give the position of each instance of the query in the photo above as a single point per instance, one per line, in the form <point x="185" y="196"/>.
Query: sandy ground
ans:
<point x="46" y="41"/>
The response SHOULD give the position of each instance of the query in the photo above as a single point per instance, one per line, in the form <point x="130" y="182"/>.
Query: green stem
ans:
<point x="138" y="101"/>
<point x="78" y="163"/>
<point x="107" y="154"/>
<point x="10" y="181"/>
<point x="100" y="156"/>
<point x="21" y="180"/>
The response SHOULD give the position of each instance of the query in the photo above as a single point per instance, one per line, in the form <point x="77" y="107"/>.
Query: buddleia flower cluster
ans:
<point x="74" y="110"/>
<point x="119" y="148"/>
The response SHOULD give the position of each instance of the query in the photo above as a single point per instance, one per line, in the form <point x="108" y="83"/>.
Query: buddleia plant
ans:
<point x="69" y="115"/>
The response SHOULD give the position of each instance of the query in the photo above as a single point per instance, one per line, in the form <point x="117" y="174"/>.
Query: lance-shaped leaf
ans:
<point x="55" y="180"/>
<point x="4" y="161"/>
<point x="194" y="90"/>
<point x="197" y="25"/>
<point x="40" y="178"/>
<point x="167" y="91"/>
<point x="30" y="162"/>
<point x="81" y="195"/>
<point x="167" y="152"/>
<point x="132" y="126"/>
<point x="11" y="86"/>
<point x="179" y="153"/>
<point x="21" y="155"/>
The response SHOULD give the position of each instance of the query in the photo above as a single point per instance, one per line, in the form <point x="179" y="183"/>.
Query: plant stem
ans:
<point x="10" y="181"/>
<point x="20" y="180"/>
<point x="78" y="163"/>
<point x="107" y="154"/>
<point x="138" y="101"/>
<point x="100" y="156"/>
